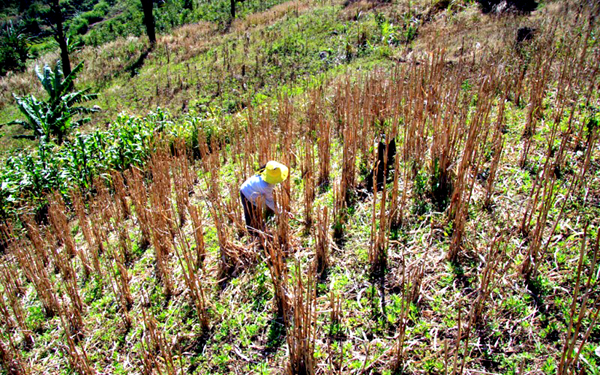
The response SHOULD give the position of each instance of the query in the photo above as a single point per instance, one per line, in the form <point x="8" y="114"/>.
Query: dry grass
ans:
<point x="188" y="41"/>
<point x="270" y="16"/>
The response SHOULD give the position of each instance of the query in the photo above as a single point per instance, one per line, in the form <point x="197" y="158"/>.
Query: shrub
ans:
<point x="27" y="177"/>
<point x="79" y="26"/>
<point x="14" y="49"/>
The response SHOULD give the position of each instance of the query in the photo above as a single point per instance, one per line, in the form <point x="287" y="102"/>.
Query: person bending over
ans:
<point x="257" y="194"/>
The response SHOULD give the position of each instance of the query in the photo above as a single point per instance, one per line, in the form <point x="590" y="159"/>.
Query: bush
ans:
<point x="79" y="26"/>
<point x="14" y="49"/>
<point x="26" y="177"/>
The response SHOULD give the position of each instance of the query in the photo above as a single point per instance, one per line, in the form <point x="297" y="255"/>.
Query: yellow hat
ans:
<point x="275" y="172"/>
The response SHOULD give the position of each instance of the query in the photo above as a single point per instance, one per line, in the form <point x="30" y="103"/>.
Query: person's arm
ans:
<point x="269" y="201"/>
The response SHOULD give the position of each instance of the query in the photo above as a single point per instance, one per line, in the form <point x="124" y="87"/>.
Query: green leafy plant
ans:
<point x="56" y="116"/>
<point x="14" y="49"/>
<point x="26" y="177"/>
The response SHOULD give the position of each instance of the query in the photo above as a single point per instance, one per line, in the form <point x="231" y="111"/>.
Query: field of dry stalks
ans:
<point x="478" y="254"/>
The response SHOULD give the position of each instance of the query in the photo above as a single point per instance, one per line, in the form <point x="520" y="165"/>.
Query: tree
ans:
<point x="147" y="6"/>
<point x="232" y="6"/>
<point x="55" y="116"/>
<point x="59" y="35"/>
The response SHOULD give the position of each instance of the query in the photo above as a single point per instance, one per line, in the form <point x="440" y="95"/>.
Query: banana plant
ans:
<point x="56" y="116"/>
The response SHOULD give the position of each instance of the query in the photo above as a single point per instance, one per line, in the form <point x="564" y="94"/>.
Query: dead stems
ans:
<point x="301" y="331"/>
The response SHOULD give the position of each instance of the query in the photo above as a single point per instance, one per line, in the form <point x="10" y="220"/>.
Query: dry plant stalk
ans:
<point x="546" y="202"/>
<point x="320" y="127"/>
<point x="379" y="233"/>
<point x="60" y="224"/>
<point x="6" y="235"/>
<point x="324" y="151"/>
<point x="335" y="331"/>
<point x="148" y="362"/>
<point x="11" y="360"/>
<point x="282" y="202"/>
<point x="139" y="196"/>
<point x="449" y="114"/>
<point x="179" y="171"/>
<point x="192" y="276"/>
<point x="35" y="270"/>
<point x="470" y="162"/>
<point x="13" y="294"/>
<point x="398" y="361"/>
<point x="349" y="162"/>
<point x="69" y="282"/>
<point x="539" y="80"/>
<point x="419" y="95"/>
<point x="82" y="218"/>
<point x="233" y="209"/>
<point x="544" y="191"/>
<point x="161" y="192"/>
<point x="106" y="208"/>
<point x="73" y="315"/>
<point x="279" y="276"/>
<point x="411" y="280"/>
<point x="121" y="194"/>
<point x="12" y="277"/>
<point x="396" y="209"/>
<point x="78" y="358"/>
<point x="7" y="320"/>
<point x="35" y="237"/>
<point x="232" y="258"/>
<point x="157" y="345"/>
<point x="309" y="183"/>
<point x="99" y="234"/>
<point x="161" y="220"/>
<point x="124" y="245"/>
<point x="397" y="218"/>
<point x="496" y="265"/>
<point x="459" y="337"/>
<point x="198" y="230"/>
<point x="497" y="148"/>
<point x="265" y="144"/>
<point x="335" y="314"/>
<point x="322" y="244"/>
<point x="339" y="210"/>
<point x="302" y="328"/>
<point x="120" y="280"/>
<point x="161" y="251"/>
<point x="585" y="307"/>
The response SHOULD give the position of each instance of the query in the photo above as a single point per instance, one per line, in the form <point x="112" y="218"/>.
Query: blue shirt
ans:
<point x="255" y="187"/>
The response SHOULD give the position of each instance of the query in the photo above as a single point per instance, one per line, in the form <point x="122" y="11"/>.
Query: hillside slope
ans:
<point x="198" y="68"/>
<point x="479" y="253"/>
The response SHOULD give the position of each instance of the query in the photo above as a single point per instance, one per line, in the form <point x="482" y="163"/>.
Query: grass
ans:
<point x="204" y="72"/>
